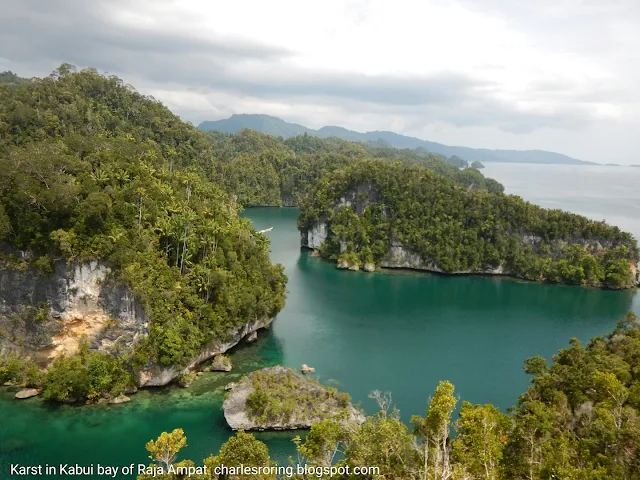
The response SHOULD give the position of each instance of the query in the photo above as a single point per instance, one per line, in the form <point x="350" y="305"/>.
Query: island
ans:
<point x="278" y="398"/>
<point x="122" y="265"/>
<point x="375" y="214"/>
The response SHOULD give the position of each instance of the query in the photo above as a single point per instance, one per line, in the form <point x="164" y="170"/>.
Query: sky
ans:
<point x="559" y="75"/>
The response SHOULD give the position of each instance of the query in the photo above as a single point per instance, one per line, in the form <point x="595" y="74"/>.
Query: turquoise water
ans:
<point x="395" y="331"/>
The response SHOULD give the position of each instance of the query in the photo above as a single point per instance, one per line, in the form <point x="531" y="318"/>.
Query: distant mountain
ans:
<point x="263" y="123"/>
<point x="12" y="78"/>
<point x="279" y="128"/>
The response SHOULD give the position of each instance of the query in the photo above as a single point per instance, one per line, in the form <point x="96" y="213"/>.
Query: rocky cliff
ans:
<point x="393" y="216"/>
<point x="157" y="375"/>
<point x="277" y="398"/>
<point x="46" y="316"/>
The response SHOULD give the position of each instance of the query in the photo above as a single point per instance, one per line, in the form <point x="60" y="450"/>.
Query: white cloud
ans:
<point x="559" y="75"/>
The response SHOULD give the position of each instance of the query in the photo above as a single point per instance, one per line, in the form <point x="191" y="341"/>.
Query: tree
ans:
<point x="482" y="433"/>
<point x="433" y="432"/>
<point x="242" y="449"/>
<point x="165" y="449"/>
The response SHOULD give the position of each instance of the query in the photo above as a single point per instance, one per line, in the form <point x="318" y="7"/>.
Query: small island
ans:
<point x="375" y="215"/>
<point x="278" y="398"/>
<point x="477" y="165"/>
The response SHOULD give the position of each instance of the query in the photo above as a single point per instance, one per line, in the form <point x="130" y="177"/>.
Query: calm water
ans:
<point x="597" y="192"/>
<point x="395" y="331"/>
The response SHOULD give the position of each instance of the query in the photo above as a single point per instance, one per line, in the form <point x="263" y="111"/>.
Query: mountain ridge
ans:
<point x="281" y="128"/>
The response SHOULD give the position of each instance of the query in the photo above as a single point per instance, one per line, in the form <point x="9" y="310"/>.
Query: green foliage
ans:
<point x="90" y="374"/>
<point x="276" y="396"/>
<point x="242" y="449"/>
<point x="579" y="420"/>
<point x="92" y="170"/>
<point x="477" y="165"/>
<point x="458" y="229"/>
<point x="580" y="417"/>
<point x="457" y="161"/>
<point x="263" y="170"/>
<point x="482" y="433"/>
<point x="9" y="78"/>
<point x="384" y="442"/>
<point x="13" y="368"/>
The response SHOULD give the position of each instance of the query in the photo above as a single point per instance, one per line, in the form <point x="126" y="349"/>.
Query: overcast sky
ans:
<point x="560" y="75"/>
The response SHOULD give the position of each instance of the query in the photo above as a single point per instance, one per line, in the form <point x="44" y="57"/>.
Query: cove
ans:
<point x="396" y="331"/>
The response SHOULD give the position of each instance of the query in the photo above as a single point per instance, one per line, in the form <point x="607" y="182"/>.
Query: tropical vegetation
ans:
<point x="93" y="170"/>
<point x="372" y="207"/>
<point x="579" y="420"/>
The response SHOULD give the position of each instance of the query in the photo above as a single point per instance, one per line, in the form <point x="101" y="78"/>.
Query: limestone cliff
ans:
<point x="433" y="227"/>
<point x="46" y="316"/>
<point x="154" y="375"/>
<point x="278" y="398"/>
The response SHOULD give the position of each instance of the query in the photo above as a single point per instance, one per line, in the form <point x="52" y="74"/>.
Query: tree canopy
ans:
<point x="92" y="170"/>
<point x="374" y="205"/>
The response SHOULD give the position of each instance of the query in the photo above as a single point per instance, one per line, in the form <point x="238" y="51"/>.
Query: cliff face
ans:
<point x="46" y="316"/>
<point x="158" y="375"/>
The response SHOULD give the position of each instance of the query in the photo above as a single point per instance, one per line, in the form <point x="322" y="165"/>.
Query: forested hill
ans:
<point x="9" y="77"/>
<point x="260" y="169"/>
<point x="280" y="128"/>
<point x="93" y="170"/>
<point x="392" y="215"/>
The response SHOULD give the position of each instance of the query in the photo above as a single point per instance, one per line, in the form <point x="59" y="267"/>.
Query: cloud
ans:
<point x="410" y="66"/>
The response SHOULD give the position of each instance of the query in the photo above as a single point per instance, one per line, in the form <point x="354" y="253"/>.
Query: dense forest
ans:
<point x="579" y="420"/>
<point x="373" y="205"/>
<point x="260" y="169"/>
<point x="92" y="170"/>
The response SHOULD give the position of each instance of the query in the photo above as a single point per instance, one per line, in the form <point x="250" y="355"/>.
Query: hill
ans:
<point x="261" y="123"/>
<point x="110" y="231"/>
<point x="280" y="128"/>
<point x="377" y="214"/>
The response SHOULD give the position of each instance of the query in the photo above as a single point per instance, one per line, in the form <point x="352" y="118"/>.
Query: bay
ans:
<point x="395" y="331"/>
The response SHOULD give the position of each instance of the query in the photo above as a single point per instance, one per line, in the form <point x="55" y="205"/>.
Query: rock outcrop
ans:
<point x="27" y="393"/>
<point x="45" y="316"/>
<point x="306" y="369"/>
<point x="278" y="398"/>
<point x="315" y="236"/>
<point x="153" y="375"/>
<point x="221" y="363"/>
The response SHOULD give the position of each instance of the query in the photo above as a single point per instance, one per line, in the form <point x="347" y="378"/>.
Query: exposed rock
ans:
<point x="252" y="337"/>
<point x="369" y="267"/>
<point x="187" y="379"/>
<point x="157" y="375"/>
<point x="315" y="253"/>
<point x="221" y="363"/>
<point x="27" y="393"/>
<point x="291" y="402"/>
<point x="119" y="399"/>
<point x="55" y="311"/>
<point x="8" y="383"/>
<point x="315" y="236"/>
<point x="130" y="390"/>
<point x="306" y="369"/>
<point x="229" y="386"/>
<point x="344" y="264"/>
